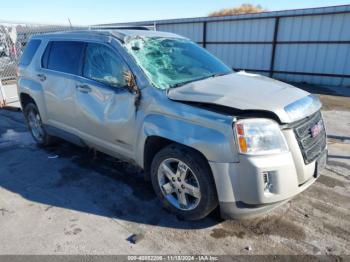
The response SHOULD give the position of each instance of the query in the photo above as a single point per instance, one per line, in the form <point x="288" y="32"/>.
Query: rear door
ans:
<point x="105" y="107"/>
<point x="61" y="65"/>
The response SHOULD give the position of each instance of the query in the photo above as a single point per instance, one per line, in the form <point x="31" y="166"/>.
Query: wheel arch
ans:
<point x="155" y="143"/>
<point x="25" y="99"/>
<point x="29" y="90"/>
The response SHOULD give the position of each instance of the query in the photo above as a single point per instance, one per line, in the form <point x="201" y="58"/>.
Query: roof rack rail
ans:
<point x="120" y="27"/>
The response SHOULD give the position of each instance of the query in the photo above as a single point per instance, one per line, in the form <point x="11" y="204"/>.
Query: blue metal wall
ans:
<point x="306" y="45"/>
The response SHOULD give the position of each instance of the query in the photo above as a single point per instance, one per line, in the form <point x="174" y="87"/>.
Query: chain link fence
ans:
<point x="13" y="39"/>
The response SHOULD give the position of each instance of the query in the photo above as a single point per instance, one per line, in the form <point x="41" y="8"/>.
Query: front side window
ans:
<point x="171" y="62"/>
<point x="63" y="56"/>
<point x="103" y="65"/>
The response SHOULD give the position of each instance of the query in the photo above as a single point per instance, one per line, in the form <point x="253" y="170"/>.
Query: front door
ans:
<point x="105" y="107"/>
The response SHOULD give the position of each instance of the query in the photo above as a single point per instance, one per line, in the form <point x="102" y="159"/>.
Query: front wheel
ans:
<point x="182" y="180"/>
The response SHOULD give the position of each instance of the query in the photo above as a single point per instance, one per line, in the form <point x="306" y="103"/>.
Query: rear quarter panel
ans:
<point x="28" y="83"/>
<point x="35" y="91"/>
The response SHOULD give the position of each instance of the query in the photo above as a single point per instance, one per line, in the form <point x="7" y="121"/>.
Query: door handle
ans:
<point x="83" y="88"/>
<point x="41" y="77"/>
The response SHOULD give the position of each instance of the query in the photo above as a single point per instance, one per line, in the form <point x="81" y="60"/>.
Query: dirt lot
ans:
<point x="62" y="200"/>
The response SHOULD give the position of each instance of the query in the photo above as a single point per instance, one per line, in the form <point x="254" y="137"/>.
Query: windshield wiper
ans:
<point x="198" y="79"/>
<point x="189" y="81"/>
<point x="221" y="74"/>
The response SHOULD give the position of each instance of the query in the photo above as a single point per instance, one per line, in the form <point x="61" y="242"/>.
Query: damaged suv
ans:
<point x="204" y="135"/>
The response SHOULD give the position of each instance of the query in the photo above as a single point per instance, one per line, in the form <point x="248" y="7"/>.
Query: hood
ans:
<point x="246" y="91"/>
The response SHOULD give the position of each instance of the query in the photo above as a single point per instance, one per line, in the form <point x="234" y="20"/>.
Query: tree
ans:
<point x="242" y="9"/>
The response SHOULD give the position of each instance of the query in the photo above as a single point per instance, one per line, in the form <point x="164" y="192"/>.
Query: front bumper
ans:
<point x="258" y="184"/>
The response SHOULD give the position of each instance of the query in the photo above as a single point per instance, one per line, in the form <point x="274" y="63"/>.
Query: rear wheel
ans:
<point x="35" y="125"/>
<point x="182" y="180"/>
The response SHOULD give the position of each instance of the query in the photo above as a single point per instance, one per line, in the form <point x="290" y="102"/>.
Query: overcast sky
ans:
<point x="85" y="12"/>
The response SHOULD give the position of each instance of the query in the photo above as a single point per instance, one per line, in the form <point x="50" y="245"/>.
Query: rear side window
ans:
<point x="63" y="56"/>
<point x="29" y="52"/>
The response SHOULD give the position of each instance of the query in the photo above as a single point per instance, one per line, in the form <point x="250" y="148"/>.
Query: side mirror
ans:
<point x="130" y="82"/>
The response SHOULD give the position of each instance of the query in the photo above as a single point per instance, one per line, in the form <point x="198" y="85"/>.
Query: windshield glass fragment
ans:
<point x="172" y="62"/>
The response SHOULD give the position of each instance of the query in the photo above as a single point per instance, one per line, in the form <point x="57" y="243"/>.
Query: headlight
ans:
<point x="259" y="136"/>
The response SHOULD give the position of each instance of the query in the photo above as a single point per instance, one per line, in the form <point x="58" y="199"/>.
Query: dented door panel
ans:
<point x="59" y="91"/>
<point x="106" y="116"/>
<point x="106" y="108"/>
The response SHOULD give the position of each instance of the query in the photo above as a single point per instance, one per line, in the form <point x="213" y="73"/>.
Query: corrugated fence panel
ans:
<point x="315" y="28"/>
<point x="244" y="30"/>
<point x="313" y="58"/>
<point x="250" y="56"/>
<point x="309" y="44"/>
<point x="324" y="58"/>
<point x="193" y="31"/>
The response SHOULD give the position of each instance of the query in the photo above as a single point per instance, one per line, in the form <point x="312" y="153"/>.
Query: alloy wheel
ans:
<point x="179" y="184"/>
<point x="35" y="124"/>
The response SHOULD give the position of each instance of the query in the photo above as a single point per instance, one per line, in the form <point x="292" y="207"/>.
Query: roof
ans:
<point x="120" y="34"/>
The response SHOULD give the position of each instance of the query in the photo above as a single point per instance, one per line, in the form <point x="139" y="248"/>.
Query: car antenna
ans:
<point x="70" y="24"/>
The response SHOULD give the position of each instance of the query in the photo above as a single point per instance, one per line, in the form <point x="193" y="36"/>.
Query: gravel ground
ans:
<point x="65" y="200"/>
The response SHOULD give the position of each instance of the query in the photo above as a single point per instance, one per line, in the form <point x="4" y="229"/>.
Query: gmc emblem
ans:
<point x="317" y="129"/>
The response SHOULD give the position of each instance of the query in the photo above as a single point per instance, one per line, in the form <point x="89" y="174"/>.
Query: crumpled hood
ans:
<point x="242" y="91"/>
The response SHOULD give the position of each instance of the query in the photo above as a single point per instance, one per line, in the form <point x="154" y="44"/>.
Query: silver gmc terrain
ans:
<point x="204" y="135"/>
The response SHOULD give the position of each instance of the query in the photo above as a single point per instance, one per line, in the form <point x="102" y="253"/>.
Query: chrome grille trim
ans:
<point x="311" y="147"/>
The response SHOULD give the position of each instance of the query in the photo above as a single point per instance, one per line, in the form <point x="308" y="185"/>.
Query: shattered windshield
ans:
<point x="172" y="62"/>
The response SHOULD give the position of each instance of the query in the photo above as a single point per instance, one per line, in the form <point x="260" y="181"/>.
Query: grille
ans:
<point x="311" y="147"/>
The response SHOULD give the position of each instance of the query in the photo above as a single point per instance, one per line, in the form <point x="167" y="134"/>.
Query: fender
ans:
<point x="212" y="143"/>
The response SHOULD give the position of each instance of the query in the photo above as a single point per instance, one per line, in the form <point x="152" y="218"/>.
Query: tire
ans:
<point x="35" y="126"/>
<point x="192" y="195"/>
